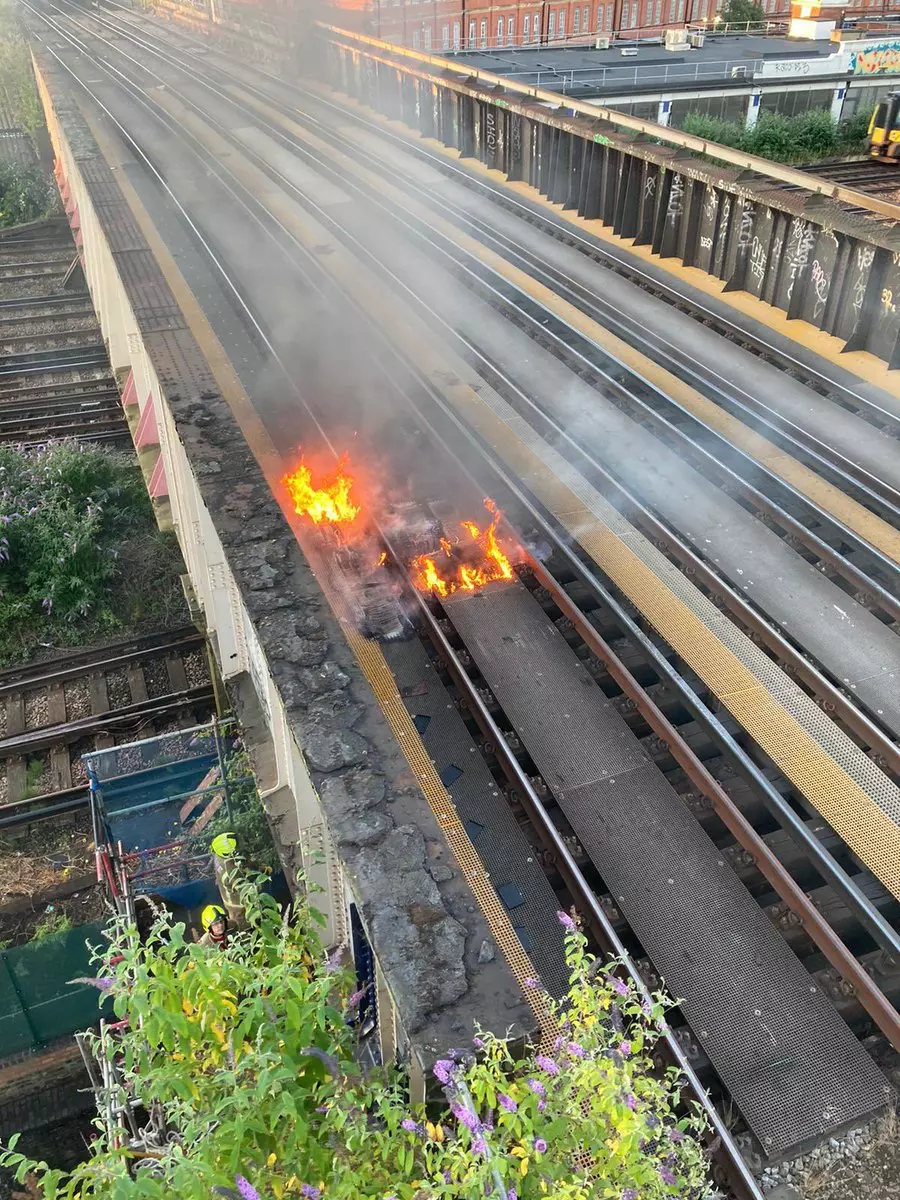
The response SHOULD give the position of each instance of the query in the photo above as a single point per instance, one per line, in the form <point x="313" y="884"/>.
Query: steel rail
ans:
<point x="83" y="662"/>
<point x="814" y="448"/>
<point x="872" y="920"/>
<point x="48" y="736"/>
<point x="853" y="716"/>
<point x="867" y="914"/>
<point x="498" y="84"/>
<point x="563" y="230"/>
<point x="741" y="1181"/>
<point x="227" y="278"/>
<point x="723" y="1148"/>
<point x="857" y="577"/>
<point x="873" y="1000"/>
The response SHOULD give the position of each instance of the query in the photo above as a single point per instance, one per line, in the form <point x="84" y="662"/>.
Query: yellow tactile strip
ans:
<point x="828" y="497"/>
<point x="829" y="787"/>
<point x="368" y="654"/>
<point x="866" y="828"/>
<point x="383" y="685"/>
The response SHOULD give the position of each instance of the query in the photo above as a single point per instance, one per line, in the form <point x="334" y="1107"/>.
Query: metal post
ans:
<point x="37" y="1043"/>
<point x="222" y="768"/>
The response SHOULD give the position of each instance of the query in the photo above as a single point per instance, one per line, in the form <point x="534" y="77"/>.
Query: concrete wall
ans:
<point x="347" y="804"/>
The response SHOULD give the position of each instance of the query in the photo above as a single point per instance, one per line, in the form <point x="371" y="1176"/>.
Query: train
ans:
<point x="883" y="135"/>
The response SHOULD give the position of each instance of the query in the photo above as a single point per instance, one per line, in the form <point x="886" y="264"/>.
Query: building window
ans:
<point x="537" y="26"/>
<point x="551" y="28"/>
<point x="680" y="16"/>
<point x="511" y="31"/>
<point x="456" y="35"/>
<point x="445" y="37"/>
<point x="576" y="22"/>
<point x="426" y="36"/>
<point x="609" y="16"/>
<point x="499" y="31"/>
<point x="483" y="34"/>
<point x="658" y="18"/>
<point x="586" y="17"/>
<point x="415" y="39"/>
<point x="562" y="23"/>
<point x="471" y="34"/>
<point x="526" y="27"/>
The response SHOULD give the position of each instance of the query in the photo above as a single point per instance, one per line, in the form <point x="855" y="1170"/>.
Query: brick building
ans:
<point x="439" y="25"/>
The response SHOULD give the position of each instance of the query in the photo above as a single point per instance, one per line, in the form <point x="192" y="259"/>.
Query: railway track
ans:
<point x="53" y="712"/>
<point x="865" y="174"/>
<point x="55" y="379"/>
<point x="760" y="792"/>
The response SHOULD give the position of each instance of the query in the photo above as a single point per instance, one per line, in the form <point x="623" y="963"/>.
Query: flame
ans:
<point x="457" y="570"/>
<point x="330" y="501"/>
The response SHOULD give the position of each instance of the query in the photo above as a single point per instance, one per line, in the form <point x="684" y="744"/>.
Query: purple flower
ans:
<point x="531" y="983"/>
<point x="537" y="1087"/>
<point x="465" y="1117"/>
<point x="333" y="962"/>
<point x="631" y="1101"/>
<point x="575" y="1050"/>
<point x="540" y="1146"/>
<point x="507" y="1102"/>
<point x="676" y="1135"/>
<point x="512" y="1194"/>
<point x="409" y="1125"/>
<point x="629" y="1194"/>
<point x="625" y="1048"/>
<point x="477" y="1043"/>
<point x="619" y="987"/>
<point x="356" y="997"/>
<point x="312" y="1193"/>
<point x="443" y="1069"/>
<point x="547" y="1064"/>
<point x="247" y="1190"/>
<point x="542" y="1104"/>
<point x="479" y="1145"/>
<point x="565" y="920"/>
<point x="667" y="1177"/>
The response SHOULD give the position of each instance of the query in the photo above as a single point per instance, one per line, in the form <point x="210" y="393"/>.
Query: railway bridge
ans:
<point x="651" y="677"/>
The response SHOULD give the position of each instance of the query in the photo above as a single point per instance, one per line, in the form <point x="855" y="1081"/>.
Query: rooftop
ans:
<point x="583" y="71"/>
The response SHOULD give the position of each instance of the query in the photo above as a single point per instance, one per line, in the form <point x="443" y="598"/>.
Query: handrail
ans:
<point x="661" y="133"/>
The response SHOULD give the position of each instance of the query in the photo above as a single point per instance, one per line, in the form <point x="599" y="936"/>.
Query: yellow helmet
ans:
<point x="224" y="845"/>
<point x="211" y="914"/>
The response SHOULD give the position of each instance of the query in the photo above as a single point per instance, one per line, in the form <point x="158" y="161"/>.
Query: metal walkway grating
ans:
<point x="793" y="1067"/>
<point x="495" y="833"/>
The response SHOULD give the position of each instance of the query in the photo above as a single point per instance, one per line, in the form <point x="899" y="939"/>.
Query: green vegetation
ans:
<point x="80" y="554"/>
<point x="247" y="821"/>
<point x="742" y="12"/>
<point x="26" y="194"/>
<point x="808" y="137"/>
<point x="52" y="925"/>
<point x="249" y="1054"/>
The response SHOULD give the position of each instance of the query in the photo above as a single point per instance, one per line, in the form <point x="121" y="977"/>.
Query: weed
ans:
<point x="54" y="924"/>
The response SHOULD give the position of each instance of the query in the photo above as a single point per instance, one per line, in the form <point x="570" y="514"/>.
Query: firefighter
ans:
<point x="223" y="849"/>
<point x="215" y="926"/>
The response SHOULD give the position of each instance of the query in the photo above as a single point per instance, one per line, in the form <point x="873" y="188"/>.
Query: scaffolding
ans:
<point x="152" y="803"/>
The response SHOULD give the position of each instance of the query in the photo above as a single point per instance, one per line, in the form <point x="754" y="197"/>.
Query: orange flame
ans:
<point x="466" y="566"/>
<point x="330" y="501"/>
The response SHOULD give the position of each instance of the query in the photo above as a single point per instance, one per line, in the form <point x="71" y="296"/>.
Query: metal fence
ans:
<point x="38" y="1002"/>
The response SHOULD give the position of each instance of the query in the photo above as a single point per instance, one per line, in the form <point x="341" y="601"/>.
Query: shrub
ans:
<point x="249" y="1054"/>
<point x="67" y="514"/>
<point x="806" y="137"/>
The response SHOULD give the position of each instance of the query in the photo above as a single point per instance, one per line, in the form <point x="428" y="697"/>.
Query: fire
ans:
<point x="329" y="501"/>
<point x="467" y="565"/>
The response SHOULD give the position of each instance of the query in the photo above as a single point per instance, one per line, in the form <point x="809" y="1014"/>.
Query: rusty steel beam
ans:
<point x="873" y="1000"/>
<point x="633" y="125"/>
<point x="784" y="237"/>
